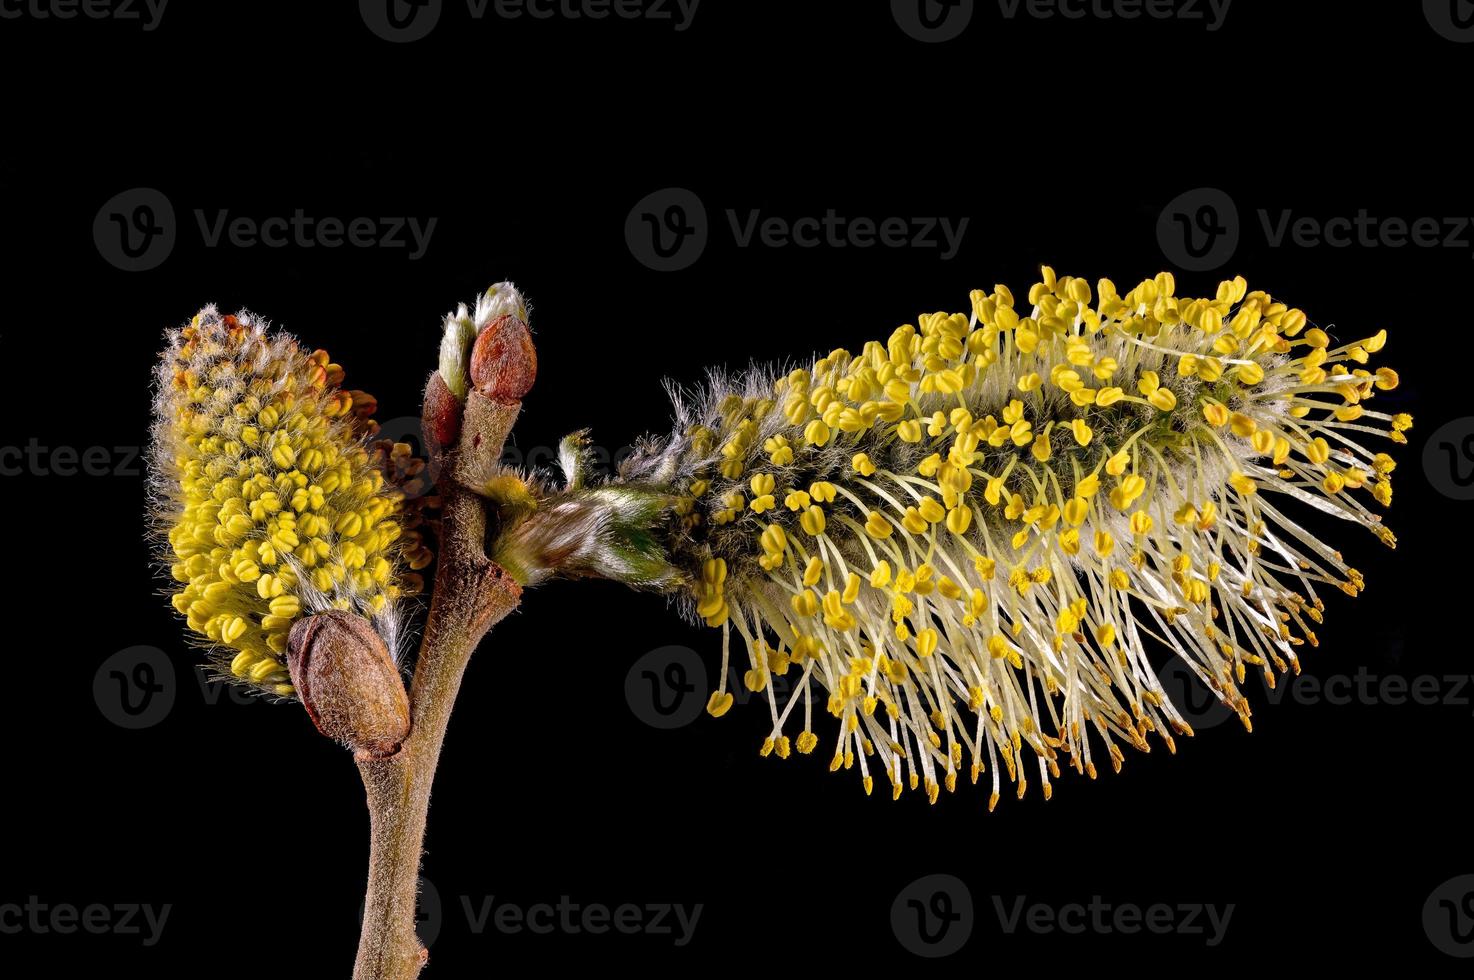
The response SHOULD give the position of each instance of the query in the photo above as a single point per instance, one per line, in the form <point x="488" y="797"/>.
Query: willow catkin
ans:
<point x="963" y="542"/>
<point x="271" y="500"/>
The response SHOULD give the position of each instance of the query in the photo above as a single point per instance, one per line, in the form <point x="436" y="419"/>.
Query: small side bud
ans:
<point x="440" y="420"/>
<point x="503" y="360"/>
<point x="348" y="683"/>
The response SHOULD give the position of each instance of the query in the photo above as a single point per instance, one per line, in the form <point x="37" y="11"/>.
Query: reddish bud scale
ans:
<point x="348" y="683"/>
<point x="441" y="417"/>
<point x="504" y="360"/>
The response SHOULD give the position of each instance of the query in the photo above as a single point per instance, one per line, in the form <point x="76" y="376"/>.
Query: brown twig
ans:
<point x="471" y="594"/>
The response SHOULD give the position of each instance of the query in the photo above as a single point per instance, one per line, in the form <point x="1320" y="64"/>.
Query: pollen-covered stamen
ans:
<point x="964" y="537"/>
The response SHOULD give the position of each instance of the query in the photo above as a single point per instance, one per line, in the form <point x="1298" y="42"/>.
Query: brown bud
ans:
<point x="348" y="683"/>
<point x="441" y="418"/>
<point x="503" y="361"/>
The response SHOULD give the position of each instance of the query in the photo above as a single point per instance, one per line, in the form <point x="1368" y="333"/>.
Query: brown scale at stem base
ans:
<point x="472" y="593"/>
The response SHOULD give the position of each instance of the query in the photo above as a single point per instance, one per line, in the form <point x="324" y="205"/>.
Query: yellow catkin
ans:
<point x="976" y="507"/>
<point x="274" y="498"/>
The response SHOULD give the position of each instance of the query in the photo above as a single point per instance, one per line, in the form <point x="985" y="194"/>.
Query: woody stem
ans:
<point x="471" y="594"/>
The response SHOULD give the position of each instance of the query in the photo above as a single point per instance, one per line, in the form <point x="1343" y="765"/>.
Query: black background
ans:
<point x="530" y="142"/>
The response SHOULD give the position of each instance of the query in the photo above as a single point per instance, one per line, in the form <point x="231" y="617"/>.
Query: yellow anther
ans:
<point x="812" y="521"/>
<point x="877" y="526"/>
<point x="931" y="511"/>
<point x="805" y="603"/>
<point x="1243" y="484"/>
<point x="1163" y="398"/>
<point x="959" y="519"/>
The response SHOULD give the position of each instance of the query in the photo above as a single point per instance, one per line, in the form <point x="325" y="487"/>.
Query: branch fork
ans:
<point x="471" y="594"/>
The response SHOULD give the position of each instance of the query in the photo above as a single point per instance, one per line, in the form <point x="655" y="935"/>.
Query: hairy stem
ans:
<point x="471" y="594"/>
